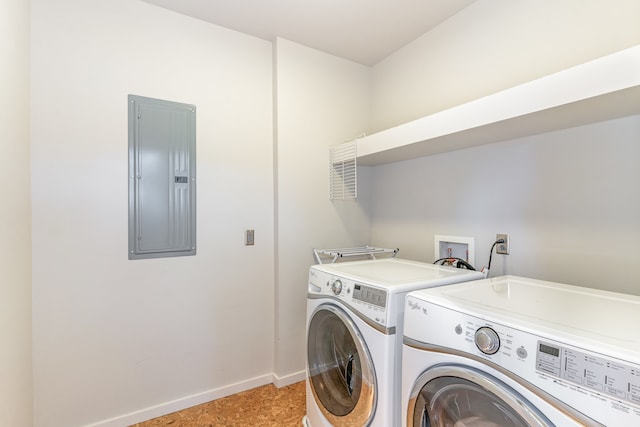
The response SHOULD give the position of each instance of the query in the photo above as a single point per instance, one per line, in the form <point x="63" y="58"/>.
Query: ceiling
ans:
<point x="364" y="31"/>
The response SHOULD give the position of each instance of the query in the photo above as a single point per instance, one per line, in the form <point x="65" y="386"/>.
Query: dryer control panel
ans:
<point x="367" y="300"/>
<point x="369" y="295"/>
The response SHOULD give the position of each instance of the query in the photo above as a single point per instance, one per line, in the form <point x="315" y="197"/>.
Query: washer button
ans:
<point x="521" y="352"/>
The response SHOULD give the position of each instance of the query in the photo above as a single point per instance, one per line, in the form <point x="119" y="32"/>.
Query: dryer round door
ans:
<point x="453" y="395"/>
<point x="341" y="372"/>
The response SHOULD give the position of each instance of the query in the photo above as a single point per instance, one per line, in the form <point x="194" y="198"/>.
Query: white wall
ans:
<point x="322" y="101"/>
<point x="15" y="222"/>
<point x="493" y="45"/>
<point x="115" y="337"/>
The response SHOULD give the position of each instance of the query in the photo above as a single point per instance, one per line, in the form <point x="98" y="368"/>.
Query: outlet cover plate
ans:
<point x="502" y="248"/>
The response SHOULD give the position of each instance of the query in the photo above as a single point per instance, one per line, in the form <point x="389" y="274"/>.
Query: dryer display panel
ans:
<point x="596" y="373"/>
<point x="370" y="295"/>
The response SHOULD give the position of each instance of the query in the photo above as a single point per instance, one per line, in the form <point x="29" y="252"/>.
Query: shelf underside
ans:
<point x="610" y="106"/>
<point x="603" y="89"/>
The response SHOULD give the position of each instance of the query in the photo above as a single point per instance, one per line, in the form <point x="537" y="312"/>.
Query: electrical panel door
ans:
<point x="162" y="178"/>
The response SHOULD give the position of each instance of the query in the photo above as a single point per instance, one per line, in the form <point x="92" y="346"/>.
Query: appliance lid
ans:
<point x="572" y="312"/>
<point x="398" y="273"/>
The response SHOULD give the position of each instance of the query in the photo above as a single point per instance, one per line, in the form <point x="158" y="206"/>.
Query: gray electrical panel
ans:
<point x="162" y="178"/>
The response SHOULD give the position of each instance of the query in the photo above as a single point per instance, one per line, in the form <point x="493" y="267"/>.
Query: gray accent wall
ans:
<point x="569" y="200"/>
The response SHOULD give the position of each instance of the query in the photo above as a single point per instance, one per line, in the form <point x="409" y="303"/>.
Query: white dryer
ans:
<point x="512" y="351"/>
<point x="354" y="337"/>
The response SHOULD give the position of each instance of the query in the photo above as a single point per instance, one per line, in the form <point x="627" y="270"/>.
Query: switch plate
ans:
<point x="502" y="248"/>
<point x="249" y="237"/>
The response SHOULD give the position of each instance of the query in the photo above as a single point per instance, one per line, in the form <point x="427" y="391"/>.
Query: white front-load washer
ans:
<point x="354" y="337"/>
<point x="512" y="351"/>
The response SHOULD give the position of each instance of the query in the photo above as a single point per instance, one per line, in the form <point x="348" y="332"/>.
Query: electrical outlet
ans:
<point x="502" y="248"/>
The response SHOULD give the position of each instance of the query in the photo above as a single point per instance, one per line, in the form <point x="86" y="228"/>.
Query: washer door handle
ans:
<point x="344" y="361"/>
<point x="348" y="375"/>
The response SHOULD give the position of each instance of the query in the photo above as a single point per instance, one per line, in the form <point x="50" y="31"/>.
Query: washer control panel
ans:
<point x="596" y="373"/>
<point x="369" y="300"/>
<point x="604" y="388"/>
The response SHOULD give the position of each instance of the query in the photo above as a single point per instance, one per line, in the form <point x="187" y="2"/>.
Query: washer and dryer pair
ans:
<point x="512" y="351"/>
<point x="508" y="351"/>
<point x="354" y="337"/>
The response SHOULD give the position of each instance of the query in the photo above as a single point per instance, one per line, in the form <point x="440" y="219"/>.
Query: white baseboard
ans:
<point x="289" y="379"/>
<point x="189" y="401"/>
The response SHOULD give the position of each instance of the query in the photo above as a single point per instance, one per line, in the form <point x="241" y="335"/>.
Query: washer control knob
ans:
<point x="336" y="287"/>
<point x="487" y="340"/>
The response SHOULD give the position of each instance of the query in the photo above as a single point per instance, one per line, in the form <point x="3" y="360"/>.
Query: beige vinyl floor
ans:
<point x="265" y="406"/>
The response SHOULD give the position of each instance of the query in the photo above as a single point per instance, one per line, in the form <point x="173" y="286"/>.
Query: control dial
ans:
<point x="336" y="287"/>
<point x="487" y="340"/>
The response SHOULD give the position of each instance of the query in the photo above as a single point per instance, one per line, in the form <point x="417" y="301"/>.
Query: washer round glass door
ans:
<point x="341" y="372"/>
<point x="462" y="396"/>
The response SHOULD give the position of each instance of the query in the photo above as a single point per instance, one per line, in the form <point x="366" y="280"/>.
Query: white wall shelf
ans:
<point x="603" y="89"/>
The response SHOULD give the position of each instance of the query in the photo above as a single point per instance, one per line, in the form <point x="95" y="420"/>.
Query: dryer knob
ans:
<point x="336" y="287"/>
<point x="487" y="340"/>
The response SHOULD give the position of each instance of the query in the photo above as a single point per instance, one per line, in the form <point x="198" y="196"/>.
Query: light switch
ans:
<point x="248" y="237"/>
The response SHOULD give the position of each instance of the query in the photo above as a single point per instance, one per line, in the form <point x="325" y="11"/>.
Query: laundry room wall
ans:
<point x="569" y="200"/>
<point x="321" y="101"/>
<point x="121" y="340"/>
<point x="493" y="45"/>
<point x="15" y="217"/>
<point x="566" y="198"/>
